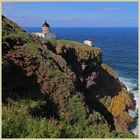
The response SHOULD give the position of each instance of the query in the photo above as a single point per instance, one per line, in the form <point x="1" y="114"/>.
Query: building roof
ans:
<point x="46" y="24"/>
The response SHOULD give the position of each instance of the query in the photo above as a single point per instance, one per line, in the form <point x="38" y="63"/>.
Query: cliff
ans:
<point x="68" y="79"/>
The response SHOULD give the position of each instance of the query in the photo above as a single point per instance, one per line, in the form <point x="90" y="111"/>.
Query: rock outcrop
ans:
<point x="61" y="70"/>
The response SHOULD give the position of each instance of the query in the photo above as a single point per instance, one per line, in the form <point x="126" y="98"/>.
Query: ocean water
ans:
<point x="119" y="49"/>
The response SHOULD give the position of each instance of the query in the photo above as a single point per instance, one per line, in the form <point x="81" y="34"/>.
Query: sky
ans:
<point x="72" y="14"/>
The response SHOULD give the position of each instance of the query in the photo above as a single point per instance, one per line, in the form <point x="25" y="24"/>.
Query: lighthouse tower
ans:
<point x="46" y="32"/>
<point x="46" y="28"/>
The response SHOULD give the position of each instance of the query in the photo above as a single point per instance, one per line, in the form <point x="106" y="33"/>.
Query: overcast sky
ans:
<point x="73" y="14"/>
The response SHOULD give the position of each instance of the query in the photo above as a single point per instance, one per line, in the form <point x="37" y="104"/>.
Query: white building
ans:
<point x="46" y="32"/>
<point x="88" y="42"/>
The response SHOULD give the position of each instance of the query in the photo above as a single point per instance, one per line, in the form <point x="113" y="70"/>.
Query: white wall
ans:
<point x="88" y="42"/>
<point x="51" y="35"/>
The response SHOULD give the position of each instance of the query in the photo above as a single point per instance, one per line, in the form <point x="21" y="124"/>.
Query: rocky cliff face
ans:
<point x="63" y="71"/>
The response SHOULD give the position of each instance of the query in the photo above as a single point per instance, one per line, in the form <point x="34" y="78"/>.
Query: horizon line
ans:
<point x="81" y="27"/>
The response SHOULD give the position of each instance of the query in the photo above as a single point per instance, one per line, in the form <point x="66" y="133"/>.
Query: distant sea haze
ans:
<point x="119" y="48"/>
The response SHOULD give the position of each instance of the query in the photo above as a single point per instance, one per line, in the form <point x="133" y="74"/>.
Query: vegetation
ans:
<point x="19" y="123"/>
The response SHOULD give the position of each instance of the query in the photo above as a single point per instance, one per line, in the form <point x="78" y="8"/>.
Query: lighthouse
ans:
<point x="46" y="31"/>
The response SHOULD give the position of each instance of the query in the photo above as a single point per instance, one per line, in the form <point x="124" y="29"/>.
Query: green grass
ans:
<point x="18" y="123"/>
<point x="77" y="108"/>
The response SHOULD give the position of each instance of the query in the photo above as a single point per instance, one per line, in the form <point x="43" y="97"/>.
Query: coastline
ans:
<point x="94" y="91"/>
<point x="132" y="88"/>
<point x="131" y="84"/>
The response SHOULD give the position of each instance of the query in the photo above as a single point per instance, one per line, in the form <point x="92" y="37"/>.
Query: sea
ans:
<point x="119" y="50"/>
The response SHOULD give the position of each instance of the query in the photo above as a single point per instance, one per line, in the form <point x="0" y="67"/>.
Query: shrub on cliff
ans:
<point x="21" y="125"/>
